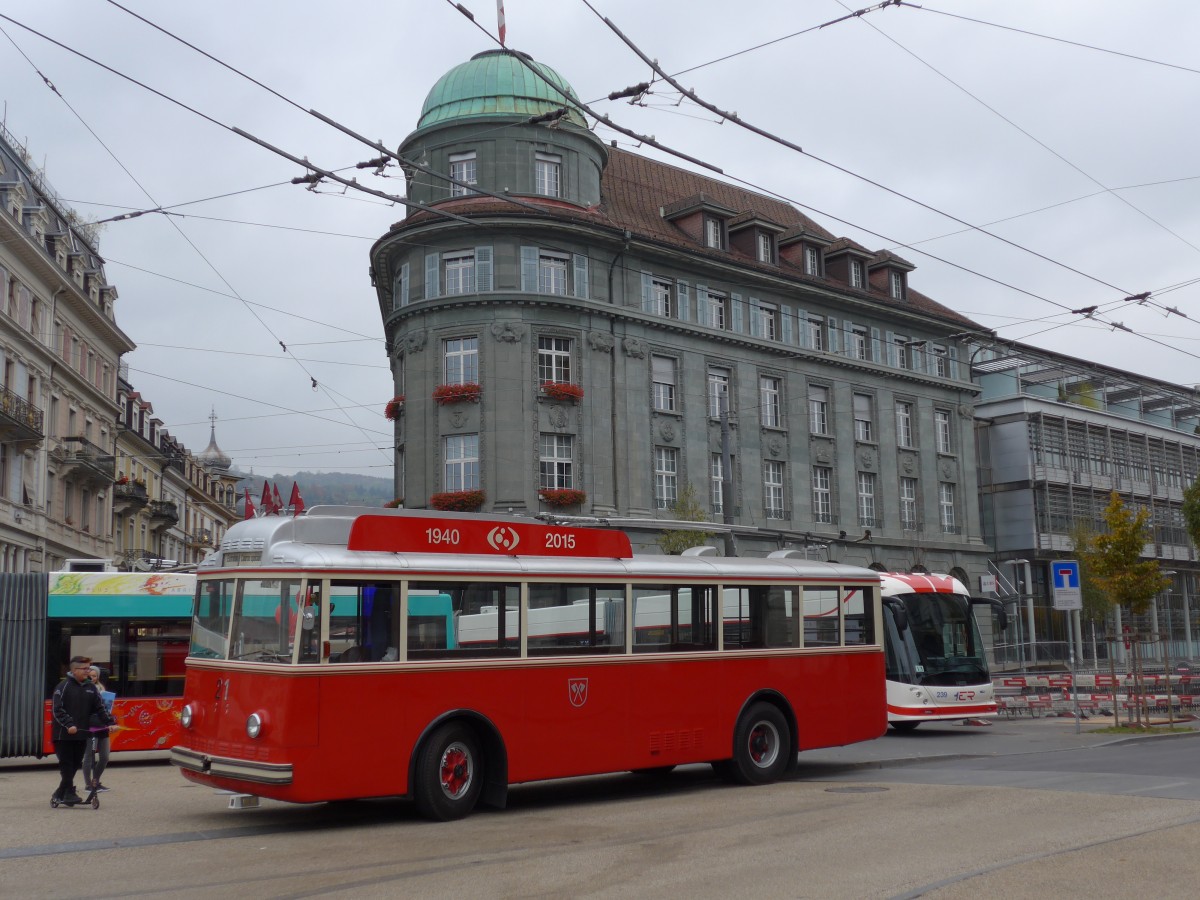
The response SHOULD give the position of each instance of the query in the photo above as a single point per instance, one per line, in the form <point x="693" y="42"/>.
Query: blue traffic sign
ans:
<point x="1064" y="577"/>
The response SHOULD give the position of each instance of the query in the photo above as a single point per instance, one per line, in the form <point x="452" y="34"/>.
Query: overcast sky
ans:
<point x="1087" y="158"/>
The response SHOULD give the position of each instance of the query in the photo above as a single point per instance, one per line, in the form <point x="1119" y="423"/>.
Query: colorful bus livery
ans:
<point x="544" y="652"/>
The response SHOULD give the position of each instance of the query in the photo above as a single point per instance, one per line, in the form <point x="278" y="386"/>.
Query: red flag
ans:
<point x="296" y="502"/>
<point x="500" y="19"/>
<point x="249" y="505"/>
<point x="276" y="500"/>
<point x="267" y="505"/>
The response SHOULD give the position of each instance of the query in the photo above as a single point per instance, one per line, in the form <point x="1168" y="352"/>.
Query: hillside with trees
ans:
<point x="320" y="488"/>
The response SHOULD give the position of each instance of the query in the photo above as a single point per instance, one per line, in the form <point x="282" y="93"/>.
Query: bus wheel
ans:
<point x="449" y="772"/>
<point x="761" y="745"/>
<point x="904" y="726"/>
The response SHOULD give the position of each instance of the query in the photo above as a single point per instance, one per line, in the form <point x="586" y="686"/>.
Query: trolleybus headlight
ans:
<point x="254" y="725"/>
<point x="185" y="716"/>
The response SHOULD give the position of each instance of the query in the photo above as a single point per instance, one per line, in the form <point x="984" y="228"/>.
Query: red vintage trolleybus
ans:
<point x="353" y="653"/>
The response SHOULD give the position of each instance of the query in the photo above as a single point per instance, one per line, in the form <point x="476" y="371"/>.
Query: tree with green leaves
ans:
<point x="1114" y="559"/>
<point x="686" y="508"/>
<point x="1191" y="510"/>
<point x="1096" y="603"/>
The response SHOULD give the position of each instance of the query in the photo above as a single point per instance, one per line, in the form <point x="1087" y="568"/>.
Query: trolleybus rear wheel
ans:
<point x="903" y="726"/>
<point x="761" y="744"/>
<point x="449" y="773"/>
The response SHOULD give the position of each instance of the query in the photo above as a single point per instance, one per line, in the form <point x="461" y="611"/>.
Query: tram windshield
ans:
<point x="941" y="644"/>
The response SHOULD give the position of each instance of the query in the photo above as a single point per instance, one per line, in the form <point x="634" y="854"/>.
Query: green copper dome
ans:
<point x="496" y="83"/>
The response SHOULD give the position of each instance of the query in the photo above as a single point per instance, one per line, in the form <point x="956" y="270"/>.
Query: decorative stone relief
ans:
<point x="666" y="430"/>
<point x="775" y="445"/>
<point x="866" y="458"/>
<point x="414" y="341"/>
<point x="908" y="464"/>
<point x="600" y="341"/>
<point x="458" y="417"/>
<point x="966" y="410"/>
<point x="557" y="416"/>
<point x="635" y="348"/>
<point x="823" y="454"/>
<point x="947" y="469"/>
<point x="507" y="333"/>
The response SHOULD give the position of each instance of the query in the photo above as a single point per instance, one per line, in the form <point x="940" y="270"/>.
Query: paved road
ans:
<point x="882" y="819"/>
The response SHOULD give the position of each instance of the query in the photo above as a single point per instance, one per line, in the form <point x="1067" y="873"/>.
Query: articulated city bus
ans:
<point x="352" y="653"/>
<point x="936" y="662"/>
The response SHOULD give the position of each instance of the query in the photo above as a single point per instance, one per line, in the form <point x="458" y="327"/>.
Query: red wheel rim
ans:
<point x="456" y="770"/>
<point x="763" y="744"/>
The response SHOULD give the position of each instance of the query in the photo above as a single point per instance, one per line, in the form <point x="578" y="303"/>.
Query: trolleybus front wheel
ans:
<point x="449" y="773"/>
<point x="904" y="726"/>
<point x="761" y="744"/>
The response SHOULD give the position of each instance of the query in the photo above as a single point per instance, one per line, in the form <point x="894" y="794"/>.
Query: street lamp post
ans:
<point x="1027" y="591"/>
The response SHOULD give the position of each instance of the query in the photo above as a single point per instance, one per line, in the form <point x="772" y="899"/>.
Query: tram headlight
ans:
<point x="185" y="716"/>
<point x="254" y="725"/>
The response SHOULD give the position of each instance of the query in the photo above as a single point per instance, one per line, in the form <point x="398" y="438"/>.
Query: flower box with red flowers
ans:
<point x="560" y="497"/>
<point x="467" y="392"/>
<point x="394" y="504"/>
<point x="394" y="407"/>
<point x="562" y="390"/>
<point x="457" y="501"/>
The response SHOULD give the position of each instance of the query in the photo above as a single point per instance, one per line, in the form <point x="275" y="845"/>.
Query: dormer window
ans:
<point x="896" y="285"/>
<point x="548" y="174"/>
<point x="856" y="273"/>
<point x="812" y="261"/>
<point x="714" y="233"/>
<point x="765" y="247"/>
<point x="462" y="169"/>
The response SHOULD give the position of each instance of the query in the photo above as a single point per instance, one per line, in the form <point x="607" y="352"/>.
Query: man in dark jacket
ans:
<point x="77" y="703"/>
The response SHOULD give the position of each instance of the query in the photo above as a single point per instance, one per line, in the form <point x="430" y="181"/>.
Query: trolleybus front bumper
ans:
<point x="227" y="767"/>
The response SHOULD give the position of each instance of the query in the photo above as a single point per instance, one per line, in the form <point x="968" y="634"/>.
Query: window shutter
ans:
<point x="953" y="353"/>
<point x="785" y="324"/>
<point x="876" y="346"/>
<point x="756" y="328"/>
<point x="433" y="287"/>
<point x="647" y="293"/>
<point x="683" y="293"/>
<point x="529" y="269"/>
<point x="400" y="290"/>
<point x="735" y="307"/>
<point x="802" y="328"/>
<point x="581" y="276"/>
<point x="483" y="269"/>
<point x="892" y="359"/>
<point x="835" y="336"/>
<point x="702" y="314"/>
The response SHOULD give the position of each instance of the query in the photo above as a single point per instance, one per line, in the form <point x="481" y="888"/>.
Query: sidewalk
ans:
<point x="999" y="737"/>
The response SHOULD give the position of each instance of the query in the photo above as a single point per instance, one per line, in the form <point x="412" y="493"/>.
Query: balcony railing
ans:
<point x="129" y="497"/>
<point x="20" y="420"/>
<point x="163" y="514"/>
<point x="80" y="457"/>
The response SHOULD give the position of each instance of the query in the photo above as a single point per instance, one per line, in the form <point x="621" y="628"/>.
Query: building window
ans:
<point x="462" y="168"/>
<point x="941" y="364"/>
<point x="716" y="471"/>
<point x="548" y="174"/>
<point x="908" y="504"/>
<point x="946" y="507"/>
<point x="822" y="494"/>
<point x="554" y="359"/>
<point x="718" y="392"/>
<point x="462" y="360"/>
<point x="896" y="283"/>
<point x="461" y="455"/>
<point x="864" y="419"/>
<point x="941" y="423"/>
<point x="815" y="330"/>
<point x="552" y="272"/>
<point x="663" y="377"/>
<point x="859" y="346"/>
<point x="716" y="310"/>
<point x="556" y="461"/>
<point x="660" y="297"/>
<point x="904" y="424"/>
<point x="666" y="476"/>
<point x="812" y="261"/>
<point x="768" y="319"/>
<point x="866" y="499"/>
<point x="458" y="272"/>
<point x="903" y="352"/>
<point x="714" y="233"/>
<point x="818" y="409"/>
<point x="856" y="273"/>
<point x="773" y="488"/>
<point x="768" y="397"/>
<point x="765" y="247"/>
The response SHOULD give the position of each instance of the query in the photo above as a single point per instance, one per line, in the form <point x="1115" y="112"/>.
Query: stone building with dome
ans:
<point x="611" y="332"/>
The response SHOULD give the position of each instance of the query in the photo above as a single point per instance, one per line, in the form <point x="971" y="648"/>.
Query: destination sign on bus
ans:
<point x="395" y="534"/>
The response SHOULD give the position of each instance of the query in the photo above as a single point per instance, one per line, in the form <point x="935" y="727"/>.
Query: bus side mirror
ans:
<point x="899" y="613"/>
<point x="997" y="607"/>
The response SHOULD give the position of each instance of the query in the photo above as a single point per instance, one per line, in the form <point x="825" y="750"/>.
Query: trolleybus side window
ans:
<point x="821" y="617"/>
<point x="859" y="615"/>
<point x="674" y="618"/>
<point x="486" y="617"/>
<point x="364" y="621"/>
<point x="576" y="618"/>
<point x="263" y="621"/>
<point x="759" y="616"/>
<point x="210" y="623"/>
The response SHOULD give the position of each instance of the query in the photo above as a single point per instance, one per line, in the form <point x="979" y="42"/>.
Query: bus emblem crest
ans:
<point x="502" y="538"/>
<point x="577" y="691"/>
